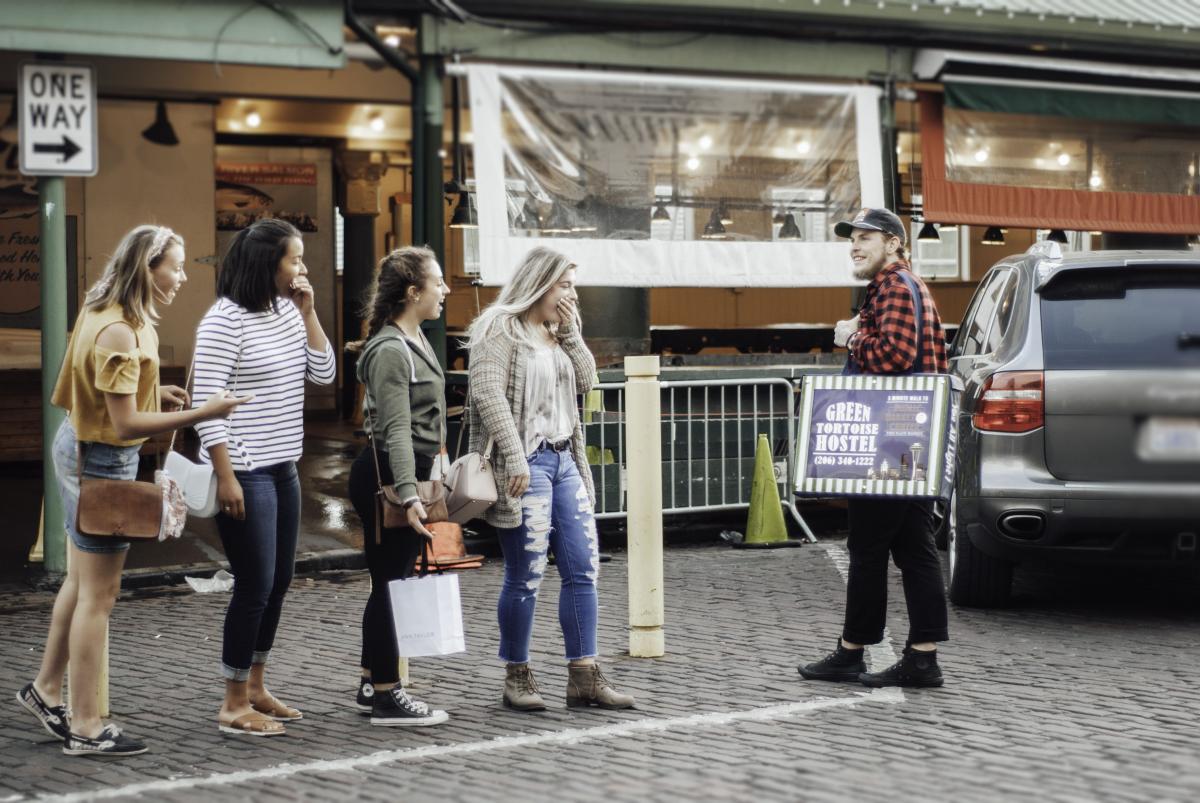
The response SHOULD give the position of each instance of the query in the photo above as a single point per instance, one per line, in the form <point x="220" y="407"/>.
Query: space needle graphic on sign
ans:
<point x="58" y="119"/>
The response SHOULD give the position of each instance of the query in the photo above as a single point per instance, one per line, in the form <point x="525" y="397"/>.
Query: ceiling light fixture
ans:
<point x="713" y="229"/>
<point x="705" y="142"/>
<point x="465" y="216"/>
<point x="377" y="123"/>
<point x="1064" y="159"/>
<point x="1095" y="182"/>
<point x="981" y="155"/>
<point x="253" y="119"/>
<point x="693" y="163"/>
<point x="160" y="132"/>
<point x="993" y="236"/>
<point x="723" y="211"/>
<point x="660" y="213"/>
<point x="803" y="147"/>
<point x="1057" y="236"/>
<point x="789" y="230"/>
<point x="929" y="234"/>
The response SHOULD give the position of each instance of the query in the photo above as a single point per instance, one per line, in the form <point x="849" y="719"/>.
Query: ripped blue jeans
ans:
<point x="556" y="514"/>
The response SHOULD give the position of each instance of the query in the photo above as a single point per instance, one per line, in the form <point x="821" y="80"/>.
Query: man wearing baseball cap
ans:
<point x="897" y="331"/>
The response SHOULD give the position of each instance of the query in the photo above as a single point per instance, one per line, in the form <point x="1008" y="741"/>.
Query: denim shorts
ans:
<point x="102" y="461"/>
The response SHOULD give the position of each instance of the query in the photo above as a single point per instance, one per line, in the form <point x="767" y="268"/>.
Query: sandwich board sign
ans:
<point x="57" y="104"/>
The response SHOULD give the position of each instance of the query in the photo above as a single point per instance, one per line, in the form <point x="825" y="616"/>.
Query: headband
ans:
<point x="159" y="244"/>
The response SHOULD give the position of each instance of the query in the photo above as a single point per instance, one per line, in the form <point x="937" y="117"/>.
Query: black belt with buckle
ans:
<point x="560" y="446"/>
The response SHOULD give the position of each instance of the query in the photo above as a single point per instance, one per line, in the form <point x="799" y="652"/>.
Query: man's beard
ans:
<point x="868" y="270"/>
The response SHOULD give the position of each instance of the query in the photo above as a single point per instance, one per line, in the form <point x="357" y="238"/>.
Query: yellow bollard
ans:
<point x="102" y="686"/>
<point x="643" y="449"/>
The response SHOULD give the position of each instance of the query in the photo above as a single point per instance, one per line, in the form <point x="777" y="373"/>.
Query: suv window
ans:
<point x="976" y="335"/>
<point x="1132" y="317"/>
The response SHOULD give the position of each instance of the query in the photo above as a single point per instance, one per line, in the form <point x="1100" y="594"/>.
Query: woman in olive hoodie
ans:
<point x="404" y="415"/>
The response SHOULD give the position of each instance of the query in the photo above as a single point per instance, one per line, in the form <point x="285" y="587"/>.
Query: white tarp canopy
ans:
<point x="648" y="180"/>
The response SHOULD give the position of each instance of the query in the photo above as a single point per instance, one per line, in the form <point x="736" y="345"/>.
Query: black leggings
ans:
<point x="392" y="558"/>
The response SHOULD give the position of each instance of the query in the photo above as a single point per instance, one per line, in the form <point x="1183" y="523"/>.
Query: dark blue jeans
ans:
<point x="262" y="556"/>
<point x="557" y="514"/>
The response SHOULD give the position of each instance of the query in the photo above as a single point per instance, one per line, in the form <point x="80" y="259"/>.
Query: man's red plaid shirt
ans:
<point x="886" y="340"/>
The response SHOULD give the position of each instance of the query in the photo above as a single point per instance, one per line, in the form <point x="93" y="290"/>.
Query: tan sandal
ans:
<point x="275" y="709"/>
<point x="252" y="724"/>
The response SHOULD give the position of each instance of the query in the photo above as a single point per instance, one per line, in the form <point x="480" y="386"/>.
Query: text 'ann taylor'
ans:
<point x="58" y="119"/>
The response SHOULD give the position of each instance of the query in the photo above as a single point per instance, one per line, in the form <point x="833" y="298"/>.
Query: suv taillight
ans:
<point x="1011" y="401"/>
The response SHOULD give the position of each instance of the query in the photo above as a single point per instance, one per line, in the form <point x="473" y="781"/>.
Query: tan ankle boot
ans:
<point x="586" y="686"/>
<point x="520" y="689"/>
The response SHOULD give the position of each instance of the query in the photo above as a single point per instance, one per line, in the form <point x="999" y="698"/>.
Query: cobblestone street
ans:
<point x="1080" y="693"/>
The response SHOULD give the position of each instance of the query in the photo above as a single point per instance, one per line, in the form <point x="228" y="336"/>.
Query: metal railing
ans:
<point x="710" y="432"/>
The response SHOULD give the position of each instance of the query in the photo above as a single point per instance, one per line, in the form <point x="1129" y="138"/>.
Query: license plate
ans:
<point x="1170" y="440"/>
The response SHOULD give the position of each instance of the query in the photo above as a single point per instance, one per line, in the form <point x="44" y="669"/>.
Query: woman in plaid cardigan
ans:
<point x="528" y="366"/>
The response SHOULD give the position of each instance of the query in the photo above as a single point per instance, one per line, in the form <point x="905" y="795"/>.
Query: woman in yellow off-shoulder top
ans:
<point x="109" y="387"/>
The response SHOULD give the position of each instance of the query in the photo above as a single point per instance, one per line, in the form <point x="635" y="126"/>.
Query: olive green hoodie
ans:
<point x="404" y="403"/>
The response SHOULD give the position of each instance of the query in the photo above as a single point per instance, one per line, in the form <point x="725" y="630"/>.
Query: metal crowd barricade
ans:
<point x="710" y="431"/>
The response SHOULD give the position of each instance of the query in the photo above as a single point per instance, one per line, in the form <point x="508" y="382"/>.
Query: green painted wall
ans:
<point x="228" y="31"/>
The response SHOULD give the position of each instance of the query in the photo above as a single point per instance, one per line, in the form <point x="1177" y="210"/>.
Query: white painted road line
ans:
<point x="696" y="722"/>
<point x="882" y="654"/>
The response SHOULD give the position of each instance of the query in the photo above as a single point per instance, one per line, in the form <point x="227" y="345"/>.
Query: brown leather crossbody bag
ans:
<point x="126" y="509"/>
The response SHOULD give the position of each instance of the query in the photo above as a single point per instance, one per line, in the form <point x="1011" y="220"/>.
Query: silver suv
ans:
<point x="1079" y="430"/>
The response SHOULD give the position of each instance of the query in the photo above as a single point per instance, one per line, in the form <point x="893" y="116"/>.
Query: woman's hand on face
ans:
<point x="302" y="294"/>
<point x="230" y="497"/>
<point x="173" y="397"/>
<point x="416" y="518"/>
<point x="518" y="484"/>
<point x="566" y="313"/>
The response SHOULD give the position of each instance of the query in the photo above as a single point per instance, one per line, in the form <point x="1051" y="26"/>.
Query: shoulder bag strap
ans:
<point x="918" y="308"/>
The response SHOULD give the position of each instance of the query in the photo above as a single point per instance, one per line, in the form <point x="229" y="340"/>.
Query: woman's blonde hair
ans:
<point x="126" y="279"/>
<point x="535" y="275"/>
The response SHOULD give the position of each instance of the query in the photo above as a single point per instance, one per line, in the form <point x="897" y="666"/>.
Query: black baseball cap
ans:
<point x="883" y="220"/>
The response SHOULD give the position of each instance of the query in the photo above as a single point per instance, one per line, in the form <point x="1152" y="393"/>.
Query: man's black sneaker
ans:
<point x="52" y="717"/>
<point x="841" y="665"/>
<point x="110" y="743"/>
<point x="394" y="708"/>
<point x="915" y="670"/>
<point x="366" y="696"/>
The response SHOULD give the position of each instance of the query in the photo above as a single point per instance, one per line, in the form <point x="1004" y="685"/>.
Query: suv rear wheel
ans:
<point x="977" y="580"/>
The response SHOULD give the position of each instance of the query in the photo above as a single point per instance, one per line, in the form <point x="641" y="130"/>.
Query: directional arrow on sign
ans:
<point x="68" y="148"/>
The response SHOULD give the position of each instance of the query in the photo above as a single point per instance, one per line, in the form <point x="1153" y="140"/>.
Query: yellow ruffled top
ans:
<point x="89" y="371"/>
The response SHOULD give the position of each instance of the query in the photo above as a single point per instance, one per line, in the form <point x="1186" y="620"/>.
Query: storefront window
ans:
<point x="611" y="168"/>
<point x="1050" y="152"/>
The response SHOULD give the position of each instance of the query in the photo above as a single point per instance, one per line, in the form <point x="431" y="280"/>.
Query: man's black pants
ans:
<point x="905" y="528"/>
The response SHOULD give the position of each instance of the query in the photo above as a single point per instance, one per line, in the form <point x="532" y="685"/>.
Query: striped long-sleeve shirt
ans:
<point x="264" y="354"/>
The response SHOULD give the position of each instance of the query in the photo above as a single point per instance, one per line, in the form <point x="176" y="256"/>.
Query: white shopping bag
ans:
<point x="427" y="615"/>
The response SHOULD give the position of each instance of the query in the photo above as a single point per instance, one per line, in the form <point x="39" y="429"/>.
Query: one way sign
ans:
<point x="58" y="119"/>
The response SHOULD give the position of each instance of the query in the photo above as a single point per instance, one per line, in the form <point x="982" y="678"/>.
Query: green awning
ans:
<point x="1080" y="104"/>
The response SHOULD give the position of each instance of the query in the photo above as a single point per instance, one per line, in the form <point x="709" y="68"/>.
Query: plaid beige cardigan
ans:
<point x="496" y="380"/>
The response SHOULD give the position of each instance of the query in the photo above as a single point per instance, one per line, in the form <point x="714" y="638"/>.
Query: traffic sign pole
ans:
<point x="52" y="214"/>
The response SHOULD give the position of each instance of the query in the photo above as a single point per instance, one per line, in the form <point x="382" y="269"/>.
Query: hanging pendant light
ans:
<point x="559" y="221"/>
<point x="660" y="213"/>
<point x="1057" y="236"/>
<point x="993" y="236"/>
<point x="789" y="230"/>
<point x="464" y="216"/>
<point x="714" y="229"/>
<point x="723" y="213"/>
<point x="580" y="220"/>
<point x="929" y="234"/>
<point x="161" y="132"/>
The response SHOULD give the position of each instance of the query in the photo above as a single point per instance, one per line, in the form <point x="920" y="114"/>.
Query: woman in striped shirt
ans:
<point x="260" y="338"/>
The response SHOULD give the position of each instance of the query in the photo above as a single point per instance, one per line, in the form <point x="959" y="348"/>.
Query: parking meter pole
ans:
<point x="643" y="449"/>
<point x="53" y="243"/>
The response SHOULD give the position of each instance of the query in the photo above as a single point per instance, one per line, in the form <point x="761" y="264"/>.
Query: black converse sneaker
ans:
<point x="917" y="669"/>
<point x="52" y="717"/>
<point x="110" y="743"/>
<point x="366" y="696"/>
<point x="394" y="708"/>
<point x="841" y="665"/>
